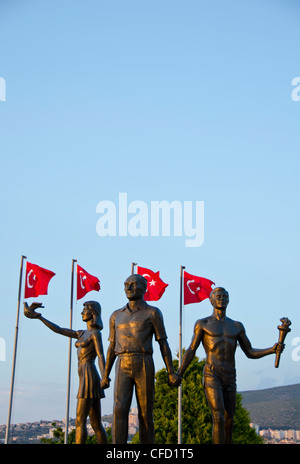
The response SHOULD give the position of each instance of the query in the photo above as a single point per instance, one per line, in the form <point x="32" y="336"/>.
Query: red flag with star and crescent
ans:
<point x="195" y="289"/>
<point x="156" y="287"/>
<point x="37" y="280"/>
<point x="86" y="282"/>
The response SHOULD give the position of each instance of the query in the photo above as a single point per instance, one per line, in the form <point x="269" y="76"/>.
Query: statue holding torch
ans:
<point x="220" y="337"/>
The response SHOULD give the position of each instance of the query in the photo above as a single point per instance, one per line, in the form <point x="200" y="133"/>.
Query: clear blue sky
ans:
<point x="164" y="101"/>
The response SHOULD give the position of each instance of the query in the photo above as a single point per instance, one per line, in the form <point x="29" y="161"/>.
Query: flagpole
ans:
<point x="180" y="356"/>
<point x="70" y="354"/>
<point x="15" y="354"/>
<point x="132" y="267"/>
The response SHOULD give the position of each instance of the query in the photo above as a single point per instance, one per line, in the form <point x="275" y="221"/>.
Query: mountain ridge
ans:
<point x="274" y="408"/>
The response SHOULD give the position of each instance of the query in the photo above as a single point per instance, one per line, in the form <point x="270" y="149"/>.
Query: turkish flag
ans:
<point x="156" y="287"/>
<point x="86" y="282"/>
<point x="195" y="289"/>
<point x="37" y="280"/>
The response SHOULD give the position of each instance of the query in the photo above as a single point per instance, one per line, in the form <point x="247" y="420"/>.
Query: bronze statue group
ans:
<point x="131" y="331"/>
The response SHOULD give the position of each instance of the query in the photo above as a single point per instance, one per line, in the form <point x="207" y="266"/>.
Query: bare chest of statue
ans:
<point x="220" y="339"/>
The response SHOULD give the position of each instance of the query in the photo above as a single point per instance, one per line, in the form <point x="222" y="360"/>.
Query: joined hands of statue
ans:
<point x="105" y="383"/>
<point x="174" y="380"/>
<point x="29" y="311"/>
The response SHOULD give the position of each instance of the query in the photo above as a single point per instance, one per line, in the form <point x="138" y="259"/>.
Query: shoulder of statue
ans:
<point x="236" y="324"/>
<point x="80" y="333"/>
<point x="200" y="323"/>
<point x="95" y="332"/>
<point x="240" y="325"/>
<point x="153" y="309"/>
<point x="115" y="313"/>
<point x="149" y="306"/>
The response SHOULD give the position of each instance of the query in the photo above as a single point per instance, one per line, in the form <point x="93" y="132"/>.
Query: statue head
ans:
<point x="135" y="287"/>
<point x="95" y="307"/>
<point x="219" y="298"/>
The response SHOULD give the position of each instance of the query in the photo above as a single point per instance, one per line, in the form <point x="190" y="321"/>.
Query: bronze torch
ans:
<point x="283" y="331"/>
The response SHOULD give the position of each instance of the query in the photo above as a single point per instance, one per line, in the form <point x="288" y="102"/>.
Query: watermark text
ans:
<point x="296" y="90"/>
<point x="2" y="89"/>
<point x="157" y="219"/>
<point x="296" y="350"/>
<point x="2" y="349"/>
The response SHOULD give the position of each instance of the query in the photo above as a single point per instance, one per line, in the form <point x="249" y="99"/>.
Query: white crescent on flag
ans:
<point x="144" y="275"/>
<point x="33" y="277"/>
<point x="187" y="284"/>
<point x="197" y="289"/>
<point x="82" y="278"/>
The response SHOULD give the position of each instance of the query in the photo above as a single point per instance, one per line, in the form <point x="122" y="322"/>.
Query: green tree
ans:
<point x="58" y="436"/>
<point x="196" y="416"/>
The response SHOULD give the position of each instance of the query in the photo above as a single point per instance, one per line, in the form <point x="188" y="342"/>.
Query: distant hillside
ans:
<point x="276" y="408"/>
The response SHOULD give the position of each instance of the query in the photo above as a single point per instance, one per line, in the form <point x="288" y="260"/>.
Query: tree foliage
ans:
<point x="196" y="416"/>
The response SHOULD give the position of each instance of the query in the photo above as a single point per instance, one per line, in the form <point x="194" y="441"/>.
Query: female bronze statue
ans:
<point x="89" y="346"/>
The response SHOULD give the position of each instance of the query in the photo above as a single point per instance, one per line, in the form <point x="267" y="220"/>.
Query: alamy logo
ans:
<point x="159" y="219"/>
<point x="2" y="89"/>
<point x="2" y="349"/>
<point x="296" y="351"/>
<point x="296" y="90"/>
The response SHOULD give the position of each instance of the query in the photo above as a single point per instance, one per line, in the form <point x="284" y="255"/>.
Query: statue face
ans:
<point x="87" y="313"/>
<point x="220" y="299"/>
<point x="134" y="288"/>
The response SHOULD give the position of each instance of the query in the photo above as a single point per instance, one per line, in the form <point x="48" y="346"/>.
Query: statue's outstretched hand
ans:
<point x="29" y="311"/>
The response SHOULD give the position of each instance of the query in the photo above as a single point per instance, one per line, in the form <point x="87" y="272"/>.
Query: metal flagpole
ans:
<point x="180" y="356"/>
<point x="70" y="353"/>
<point x="14" y="355"/>
<point x="132" y="267"/>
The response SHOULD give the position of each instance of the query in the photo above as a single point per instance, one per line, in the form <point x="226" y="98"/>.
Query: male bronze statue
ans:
<point x="131" y="332"/>
<point x="220" y="336"/>
<point x="89" y="346"/>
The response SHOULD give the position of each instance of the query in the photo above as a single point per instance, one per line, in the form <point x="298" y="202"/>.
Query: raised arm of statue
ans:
<point x="29" y="311"/>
